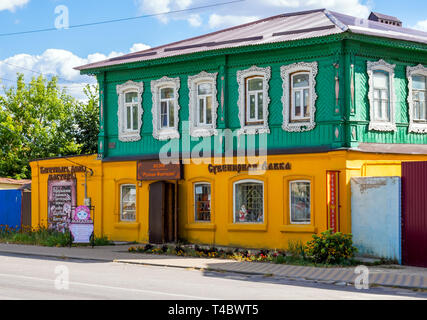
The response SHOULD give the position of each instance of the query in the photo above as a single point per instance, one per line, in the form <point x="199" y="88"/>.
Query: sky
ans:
<point x="57" y="50"/>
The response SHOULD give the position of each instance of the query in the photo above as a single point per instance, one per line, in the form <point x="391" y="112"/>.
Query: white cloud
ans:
<point x="216" y="20"/>
<point x="139" y="47"/>
<point x="57" y="62"/>
<point x="11" y="5"/>
<point x="421" y="25"/>
<point x="165" y="6"/>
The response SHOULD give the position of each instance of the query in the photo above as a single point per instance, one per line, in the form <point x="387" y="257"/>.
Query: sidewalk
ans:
<point x="390" y="275"/>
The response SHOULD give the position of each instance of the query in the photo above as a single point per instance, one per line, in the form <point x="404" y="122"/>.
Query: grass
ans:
<point x="42" y="237"/>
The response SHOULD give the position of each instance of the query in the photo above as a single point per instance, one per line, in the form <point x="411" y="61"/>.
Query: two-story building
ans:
<point x="264" y="124"/>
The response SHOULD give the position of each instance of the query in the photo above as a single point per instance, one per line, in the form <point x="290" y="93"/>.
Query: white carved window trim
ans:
<point x="156" y="85"/>
<point x="390" y="125"/>
<point x="285" y="73"/>
<point x="126" y="135"/>
<point x="241" y="80"/>
<point x="193" y="81"/>
<point x="416" y="127"/>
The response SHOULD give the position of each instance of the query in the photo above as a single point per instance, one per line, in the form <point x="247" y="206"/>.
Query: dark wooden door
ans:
<point x="156" y="212"/>
<point x="26" y="209"/>
<point x="414" y="213"/>
<point x="162" y="212"/>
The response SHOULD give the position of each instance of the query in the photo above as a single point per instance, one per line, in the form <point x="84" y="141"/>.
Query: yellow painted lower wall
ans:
<point x="276" y="231"/>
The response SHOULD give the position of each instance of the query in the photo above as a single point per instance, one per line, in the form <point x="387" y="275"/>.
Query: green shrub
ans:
<point x="330" y="248"/>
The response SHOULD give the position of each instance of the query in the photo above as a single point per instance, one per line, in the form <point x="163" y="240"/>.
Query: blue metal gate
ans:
<point x="10" y="208"/>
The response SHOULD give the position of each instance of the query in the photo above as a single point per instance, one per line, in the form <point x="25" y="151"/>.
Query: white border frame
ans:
<point x="241" y="80"/>
<point x="414" y="126"/>
<point x="389" y="68"/>
<point x="285" y="72"/>
<point x="122" y="89"/>
<point x="193" y="82"/>
<point x="156" y="85"/>
<point x="234" y="200"/>
<point x="121" y="201"/>
<point x="290" y="202"/>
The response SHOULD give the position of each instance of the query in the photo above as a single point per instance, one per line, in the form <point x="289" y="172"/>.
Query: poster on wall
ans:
<point x="61" y="200"/>
<point x="81" y="225"/>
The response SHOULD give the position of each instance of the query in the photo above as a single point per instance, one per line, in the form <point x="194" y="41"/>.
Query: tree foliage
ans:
<point x="40" y="120"/>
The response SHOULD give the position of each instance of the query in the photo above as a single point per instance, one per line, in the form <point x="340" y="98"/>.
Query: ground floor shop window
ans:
<point x="300" y="196"/>
<point x="202" y="202"/>
<point x="128" y="202"/>
<point x="248" y="201"/>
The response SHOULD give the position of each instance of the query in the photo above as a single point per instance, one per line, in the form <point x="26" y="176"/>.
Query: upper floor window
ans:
<point x="253" y="100"/>
<point x="299" y="96"/>
<point x="381" y="96"/>
<point x="165" y="109"/>
<point x="417" y="98"/>
<point x="130" y="110"/>
<point x="249" y="201"/>
<point x="300" y="104"/>
<point x="203" y="104"/>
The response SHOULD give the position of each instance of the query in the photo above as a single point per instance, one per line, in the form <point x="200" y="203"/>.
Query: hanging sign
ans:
<point x="333" y="200"/>
<point x="81" y="226"/>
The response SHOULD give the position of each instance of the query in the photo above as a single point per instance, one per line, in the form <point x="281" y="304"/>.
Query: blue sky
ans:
<point x="58" y="51"/>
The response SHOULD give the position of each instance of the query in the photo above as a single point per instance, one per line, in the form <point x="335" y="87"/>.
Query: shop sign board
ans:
<point x="333" y="204"/>
<point x="61" y="200"/>
<point x="155" y="170"/>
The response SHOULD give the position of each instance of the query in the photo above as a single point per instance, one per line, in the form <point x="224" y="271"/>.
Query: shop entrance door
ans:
<point x="163" y="215"/>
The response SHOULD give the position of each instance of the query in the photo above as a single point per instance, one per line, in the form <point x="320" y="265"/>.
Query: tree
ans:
<point x="86" y="117"/>
<point x="39" y="120"/>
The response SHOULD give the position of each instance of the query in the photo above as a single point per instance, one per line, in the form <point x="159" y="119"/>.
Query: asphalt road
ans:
<point x="24" y="277"/>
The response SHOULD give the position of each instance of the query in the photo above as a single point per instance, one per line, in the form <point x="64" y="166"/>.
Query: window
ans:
<point x="417" y="98"/>
<point x="300" y="109"/>
<point x="128" y="202"/>
<point x="299" y="96"/>
<point x="203" y="104"/>
<point x="253" y="100"/>
<point x="249" y="201"/>
<point x="165" y="108"/>
<point x="299" y="201"/>
<point x="381" y="96"/>
<point x="202" y="202"/>
<point x="130" y="110"/>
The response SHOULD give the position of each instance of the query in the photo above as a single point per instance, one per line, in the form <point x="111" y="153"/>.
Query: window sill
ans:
<point x="127" y="225"/>
<point x="247" y="227"/>
<point x="166" y="134"/>
<point x="301" y="228"/>
<point x="200" y="226"/>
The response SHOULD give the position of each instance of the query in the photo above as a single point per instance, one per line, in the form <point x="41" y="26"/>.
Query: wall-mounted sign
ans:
<point x="155" y="170"/>
<point x="246" y="167"/>
<point x="62" y="173"/>
<point x="81" y="226"/>
<point x="333" y="200"/>
<point x="61" y="199"/>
